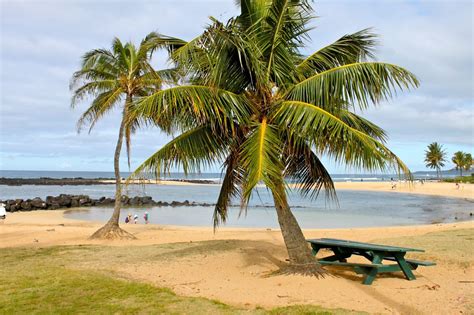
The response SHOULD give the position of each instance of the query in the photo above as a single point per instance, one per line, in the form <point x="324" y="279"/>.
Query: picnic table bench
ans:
<point x="375" y="253"/>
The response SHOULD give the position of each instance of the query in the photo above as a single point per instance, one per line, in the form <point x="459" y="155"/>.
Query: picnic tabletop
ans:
<point x="334" y="242"/>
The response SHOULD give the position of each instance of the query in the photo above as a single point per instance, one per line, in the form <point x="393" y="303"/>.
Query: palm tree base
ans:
<point x="310" y="269"/>
<point x="112" y="231"/>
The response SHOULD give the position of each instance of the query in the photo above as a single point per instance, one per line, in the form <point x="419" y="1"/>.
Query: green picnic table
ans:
<point x="375" y="253"/>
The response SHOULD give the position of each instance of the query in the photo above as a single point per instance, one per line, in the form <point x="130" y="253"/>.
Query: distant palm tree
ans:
<point x="459" y="160"/>
<point x="435" y="156"/>
<point x="467" y="161"/>
<point x="256" y="103"/>
<point x="114" y="78"/>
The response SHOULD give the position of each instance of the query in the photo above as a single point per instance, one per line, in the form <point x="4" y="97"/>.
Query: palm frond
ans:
<point x="357" y="83"/>
<point x="192" y="150"/>
<point x="348" y="49"/>
<point x="229" y="189"/>
<point x="92" y="88"/>
<point x="279" y="35"/>
<point x="102" y="104"/>
<point x="260" y="158"/>
<point x="194" y="104"/>
<point x="155" y="41"/>
<point x="305" y="169"/>
<point x="361" y="124"/>
<point x="251" y="11"/>
<point x="330" y="135"/>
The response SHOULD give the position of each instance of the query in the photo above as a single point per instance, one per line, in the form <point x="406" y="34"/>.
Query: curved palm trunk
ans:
<point x="114" y="220"/>
<point x="301" y="260"/>
<point x="112" y="230"/>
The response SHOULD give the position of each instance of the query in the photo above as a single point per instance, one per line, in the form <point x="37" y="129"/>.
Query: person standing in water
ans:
<point x="135" y="218"/>
<point x="145" y="216"/>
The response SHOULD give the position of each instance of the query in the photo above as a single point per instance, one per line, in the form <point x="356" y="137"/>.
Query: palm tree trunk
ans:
<point x="112" y="230"/>
<point x="114" y="220"/>
<point x="301" y="260"/>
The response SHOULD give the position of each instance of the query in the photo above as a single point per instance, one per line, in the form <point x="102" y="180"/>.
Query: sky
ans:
<point x="42" y="42"/>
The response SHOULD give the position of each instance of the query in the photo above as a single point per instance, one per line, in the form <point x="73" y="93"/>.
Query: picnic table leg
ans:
<point x="370" y="276"/>
<point x="404" y="266"/>
<point x="372" y="273"/>
<point x="314" y="249"/>
<point x="339" y="255"/>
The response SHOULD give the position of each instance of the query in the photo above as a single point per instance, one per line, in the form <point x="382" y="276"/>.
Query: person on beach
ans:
<point x="3" y="213"/>
<point x="394" y="185"/>
<point x="135" y="218"/>
<point x="127" y="219"/>
<point x="145" y="216"/>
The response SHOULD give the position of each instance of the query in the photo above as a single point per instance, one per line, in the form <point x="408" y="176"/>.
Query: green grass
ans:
<point x="450" y="247"/>
<point x="461" y="179"/>
<point x="60" y="280"/>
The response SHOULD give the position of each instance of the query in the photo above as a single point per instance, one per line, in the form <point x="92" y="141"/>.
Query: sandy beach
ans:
<point x="427" y="188"/>
<point x="234" y="265"/>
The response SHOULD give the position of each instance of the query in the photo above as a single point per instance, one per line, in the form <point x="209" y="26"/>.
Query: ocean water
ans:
<point x="353" y="209"/>
<point x="202" y="176"/>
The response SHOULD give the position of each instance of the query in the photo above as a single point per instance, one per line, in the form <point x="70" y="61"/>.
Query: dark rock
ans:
<point x="74" y="203"/>
<point x="49" y="199"/>
<point x="147" y="200"/>
<point x="84" y="201"/>
<point x="54" y="206"/>
<point x="64" y="200"/>
<point x="135" y="201"/>
<point x="106" y="201"/>
<point x="38" y="203"/>
<point x="25" y="205"/>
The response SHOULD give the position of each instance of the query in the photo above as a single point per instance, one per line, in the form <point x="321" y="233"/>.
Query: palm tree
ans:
<point x="435" y="156"/>
<point x="459" y="159"/>
<point x="467" y="161"/>
<point x="255" y="103"/>
<point x="112" y="78"/>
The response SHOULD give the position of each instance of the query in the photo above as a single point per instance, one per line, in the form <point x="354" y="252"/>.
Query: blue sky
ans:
<point x="42" y="43"/>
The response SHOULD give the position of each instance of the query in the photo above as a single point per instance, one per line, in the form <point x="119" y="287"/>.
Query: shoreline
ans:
<point x="45" y="218"/>
<point x="466" y="191"/>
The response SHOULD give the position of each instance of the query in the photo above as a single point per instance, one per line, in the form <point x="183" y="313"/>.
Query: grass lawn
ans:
<point x="452" y="246"/>
<point x="57" y="280"/>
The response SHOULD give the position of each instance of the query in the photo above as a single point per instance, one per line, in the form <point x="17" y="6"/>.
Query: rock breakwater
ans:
<point x="64" y="201"/>
<point x="85" y="181"/>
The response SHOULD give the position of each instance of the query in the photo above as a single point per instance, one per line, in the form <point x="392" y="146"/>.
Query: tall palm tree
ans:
<point x="115" y="78"/>
<point x="435" y="156"/>
<point x="255" y="103"/>
<point x="459" y="159"/>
